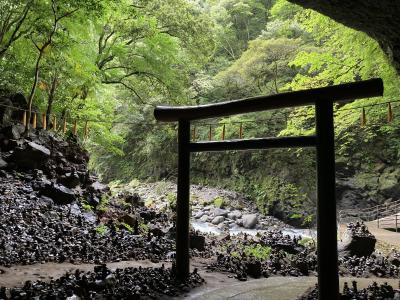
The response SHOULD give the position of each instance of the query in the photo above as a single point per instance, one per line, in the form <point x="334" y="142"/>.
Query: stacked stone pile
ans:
<point x="373" y="291"/>
<point x="102" y="283"/>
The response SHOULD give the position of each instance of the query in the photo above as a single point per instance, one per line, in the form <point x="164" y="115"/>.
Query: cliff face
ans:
<point x="379" y="19"/>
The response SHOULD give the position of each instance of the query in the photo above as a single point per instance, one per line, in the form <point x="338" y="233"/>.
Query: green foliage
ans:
<point x="87" y="207"/>
<point x="258" y="251"/>
<point x="126" y="226"/>
<point x="219" y="202"/>
<point x="143" y="228"/>
<point x="171" y="198"/>
<point x="102" y="229"/>
<point x="103" y="205"/>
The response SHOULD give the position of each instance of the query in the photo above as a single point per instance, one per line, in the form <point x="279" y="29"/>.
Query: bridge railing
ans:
<point x="377" y="212"/>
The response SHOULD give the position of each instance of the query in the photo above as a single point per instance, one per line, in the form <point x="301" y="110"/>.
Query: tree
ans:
<point x="13" y="15"/>
<point x="152" y="42"/>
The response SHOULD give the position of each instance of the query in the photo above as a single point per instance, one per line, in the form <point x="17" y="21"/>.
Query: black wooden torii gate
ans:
<point x="323" y="99"/>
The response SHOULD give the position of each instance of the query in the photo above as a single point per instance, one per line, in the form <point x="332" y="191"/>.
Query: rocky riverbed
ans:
<point x="54" y="210"/>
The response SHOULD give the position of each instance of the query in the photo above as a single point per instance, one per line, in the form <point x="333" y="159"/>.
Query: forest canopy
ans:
<point x="110" y="62"/>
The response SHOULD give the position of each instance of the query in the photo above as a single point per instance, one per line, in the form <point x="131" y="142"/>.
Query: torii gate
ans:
<point x="323" y="99"/>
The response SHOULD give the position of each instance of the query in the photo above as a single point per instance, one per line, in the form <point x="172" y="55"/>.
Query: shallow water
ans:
<point x="208" y="228"/>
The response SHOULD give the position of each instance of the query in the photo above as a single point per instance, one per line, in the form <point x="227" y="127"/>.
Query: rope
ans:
<point x="258" y="121"/>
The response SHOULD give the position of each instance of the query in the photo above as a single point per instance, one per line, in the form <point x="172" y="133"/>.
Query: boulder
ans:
<point x="250" y="221"/>
<point x="32" y="156"/>
<point x="389" y="185"/>
<point x="3" y="164"/>
<point x="98" y="187"/>
<point x="199" y="214"/>
<point x="12" y="132"/>
<point x="204" y="218"/>
<point x="220" y="212"/>
<point x="234" y="215"/>
<point x="156" y="230"/>
<point x="253" y="268"/>
<point x="129" y="219"/>
<point x="217" y="220"/>
<point x="357" y="240"/>
<point x="133" y="199"/>
<point x="70" y="180"/>
<point x="394" y="258"/>
<point x="59" y="193"/>
<point x="197" y="242"/>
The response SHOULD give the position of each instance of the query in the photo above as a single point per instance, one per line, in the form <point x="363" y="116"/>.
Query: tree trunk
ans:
<point x="33" y="90"/>
<point x="50" y="99"/>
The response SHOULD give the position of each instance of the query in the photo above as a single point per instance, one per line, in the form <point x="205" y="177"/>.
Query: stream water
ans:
<point x="208" y="228"/>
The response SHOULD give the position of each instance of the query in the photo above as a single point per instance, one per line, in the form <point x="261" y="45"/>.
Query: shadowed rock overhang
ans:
<point x="380" y="19"/>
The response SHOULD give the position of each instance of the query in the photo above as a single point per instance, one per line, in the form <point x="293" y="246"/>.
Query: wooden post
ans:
<point x="182" y="201"/>
<point x="241" y="131"/>
<point x="44" y="121"/>
<point x="55" y="123"/>
<point x="86" y="130"/>
<point x="194" y="134"/>
<point x="363" y="118"/>
<point x="223" y="133"/>
<point x="75" y="128"/>
<point x="328" y="278"/>
<point x="65" y="125"/>
<point x="377" y="214"/>
<point x="24" y="118"/>
<point x="210" y="133"/>
<point x="34" y="121"/>
<point x="390" y="113"/>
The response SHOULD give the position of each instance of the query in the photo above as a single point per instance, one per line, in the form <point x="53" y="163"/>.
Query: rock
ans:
<point x="197" y="242"/>
<point x="156" y="230"/>
<point x="394" y="258"/>
<point x="129" y="219"/>
<point x="133" y="199"/>
<point x="204" y="218"/>
<point x="253" y="269"/>
<point x="234" y="215"/>
<point x="3" y="164"/>
<point x="222" y="226"/>
<point x="98" y="187"/>
<point x="389" y="185"/>
<point x="199" y="214"/>
<point x="70" y="180"/>
<point x="32" y="156"/>
<point x="220" y="212"/>
<point x="12" y="132"/>
<point x="217" y="220"/>
<point x="59" y="193"/>
<point x="357" y="241"/>
<point x="250" y="221"/>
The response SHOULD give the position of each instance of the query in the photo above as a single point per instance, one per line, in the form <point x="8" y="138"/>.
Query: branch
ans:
<point x="126" y="86"/>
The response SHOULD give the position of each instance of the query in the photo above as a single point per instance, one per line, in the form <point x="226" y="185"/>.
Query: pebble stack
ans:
<point x="102" y="284"/>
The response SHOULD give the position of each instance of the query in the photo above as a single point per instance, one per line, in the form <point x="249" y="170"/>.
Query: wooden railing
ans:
<point x="384" y="214"/>
<point x="323" y="100"/>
